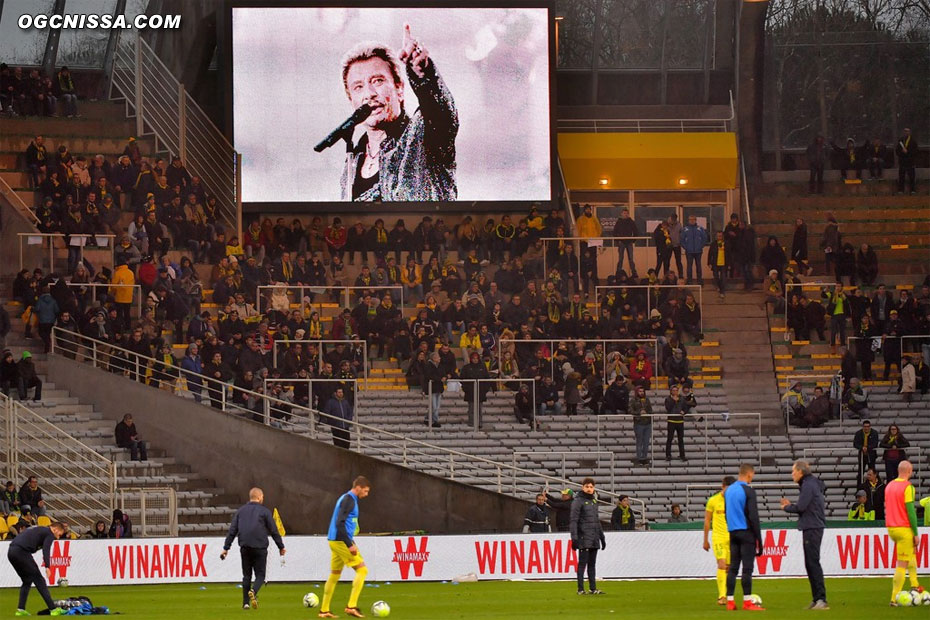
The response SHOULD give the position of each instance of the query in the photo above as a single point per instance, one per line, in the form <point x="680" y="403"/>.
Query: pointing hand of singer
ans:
<point x="413" y="53"/>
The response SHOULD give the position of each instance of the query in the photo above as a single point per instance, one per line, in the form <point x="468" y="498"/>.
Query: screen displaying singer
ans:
<point x="353" y="105"/>
<point x="401" y="156"/>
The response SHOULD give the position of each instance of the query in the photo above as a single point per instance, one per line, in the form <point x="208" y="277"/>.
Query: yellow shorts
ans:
<point x="722" y="551"/>
<point x="903" y="537"/>
<point x="340" y="556"/>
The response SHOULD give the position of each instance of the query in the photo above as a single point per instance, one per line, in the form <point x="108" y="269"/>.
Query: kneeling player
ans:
<point x="716" y="515"/>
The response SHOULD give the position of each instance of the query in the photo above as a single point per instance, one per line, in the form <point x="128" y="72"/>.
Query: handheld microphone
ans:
<point x="345" y="129"/>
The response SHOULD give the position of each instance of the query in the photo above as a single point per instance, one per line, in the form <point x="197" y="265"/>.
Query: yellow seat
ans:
<point x="12" y="520"/>
<point x="43" y="521"/>
<point x="4" y="529"/>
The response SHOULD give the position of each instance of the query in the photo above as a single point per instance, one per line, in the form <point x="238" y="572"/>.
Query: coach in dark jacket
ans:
<point x="587" y="534"/>
<point x="810" y="509"/>
<point x="253" y="524"/>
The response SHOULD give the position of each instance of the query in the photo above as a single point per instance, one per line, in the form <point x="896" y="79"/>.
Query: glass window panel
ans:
<point x="687" y="27"/>
<point x="83" y="47"/>
<point x="23" y="47"/>
<point x="576" y="33"/>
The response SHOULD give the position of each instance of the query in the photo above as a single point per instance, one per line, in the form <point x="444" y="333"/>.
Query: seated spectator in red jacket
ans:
<point x="641" y="372"/>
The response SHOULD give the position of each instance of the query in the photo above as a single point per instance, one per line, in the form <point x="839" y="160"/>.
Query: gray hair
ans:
<point x="434" y="356"/>
<point x="371" y="49"/>
<point x="803" y="466"/>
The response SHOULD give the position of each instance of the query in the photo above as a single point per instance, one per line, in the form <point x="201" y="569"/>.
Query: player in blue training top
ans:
<point x="342" y="530"/>
<point x="745" y="534"/>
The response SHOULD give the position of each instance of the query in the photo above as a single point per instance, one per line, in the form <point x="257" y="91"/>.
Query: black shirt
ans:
<point x="33" y="539"/>
<point x="253" y="524"/>
<point x="361" y="185"/>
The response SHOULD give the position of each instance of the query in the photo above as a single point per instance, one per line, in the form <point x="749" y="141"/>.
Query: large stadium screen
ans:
<point x="338" y="104"/>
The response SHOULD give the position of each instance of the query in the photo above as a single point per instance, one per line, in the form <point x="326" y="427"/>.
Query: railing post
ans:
<point x="310" y="407"/>
<point x="140" y="128"/>
<point x="405" y="451"/>
<point x="223" y="397"/>
<point x="500" y="488"/>
<point x="239" y="195"/>
<point x="182" y="123"/>
<point x="451" y="466"/>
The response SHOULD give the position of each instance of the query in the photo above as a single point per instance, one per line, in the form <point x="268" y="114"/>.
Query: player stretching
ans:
<point x="901" y="519"/>
<point x="716" y="514"/>
<point x="342" y="530"/>
<point x="745" y="535"/>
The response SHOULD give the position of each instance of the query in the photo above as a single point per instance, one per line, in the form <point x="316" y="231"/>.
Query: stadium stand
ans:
<point x="734" y="365"/>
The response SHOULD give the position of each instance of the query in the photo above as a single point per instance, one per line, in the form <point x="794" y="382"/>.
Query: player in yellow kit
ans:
<point x="901" y="519"/>
<point x="715" y="514"/>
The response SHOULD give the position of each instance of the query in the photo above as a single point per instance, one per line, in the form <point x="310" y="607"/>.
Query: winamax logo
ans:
<point x="59" y="560"/>
<point x="772" y="551"/>
<point x="411" y="557"/>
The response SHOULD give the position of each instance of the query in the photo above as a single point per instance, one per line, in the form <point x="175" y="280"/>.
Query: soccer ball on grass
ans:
<point x="380" y="609"/>
<point x="920" y="598"/>
<point x="904" y="599"/>
<point x="311" y="600"/>
<point x="755" y="599"/>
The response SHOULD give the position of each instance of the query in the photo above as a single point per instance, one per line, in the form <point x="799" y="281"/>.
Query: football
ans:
<point x="756" y="599"/>
<point x="380" y="609"/>
<point x="904" y="599"/>
<point x="920" y="598"/>
<point x="311" y="600"/>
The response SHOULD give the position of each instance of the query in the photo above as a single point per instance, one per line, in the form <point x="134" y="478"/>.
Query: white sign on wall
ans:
<point x="667" y="554"/>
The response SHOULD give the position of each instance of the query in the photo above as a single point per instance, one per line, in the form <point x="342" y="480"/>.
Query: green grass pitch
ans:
<point x="850" y="599"/>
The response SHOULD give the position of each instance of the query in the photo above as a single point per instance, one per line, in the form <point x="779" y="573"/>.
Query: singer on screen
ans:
<point x="399" y="157"/>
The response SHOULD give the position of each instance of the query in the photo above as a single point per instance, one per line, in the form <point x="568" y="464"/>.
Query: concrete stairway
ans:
<point x="203" y="507"/>
<point x="746" y="359"/>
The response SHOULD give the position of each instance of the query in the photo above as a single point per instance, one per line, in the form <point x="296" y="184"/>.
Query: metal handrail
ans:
<point x="326" y="287"/>
<point x="162" y="105"/>
<point x="52" y="449"/>
<point x="51" y="246"/>
<point x="789" y="381"/>
<point x="310" y="381"/>
<point x="320" y="341"/>
<point x="601" y="239"/>
<point x="649" y="287"/>
<point x="848" y="452"/>
<point x="378" y="442"/>
<point x="716" y="487"/>
<point x="642" y="124"/>
<point x="18" y="203"/>
<point x="143" y="524"/>
<point x="106" y="285"/>
<point x="697" y="415"/>
<point x="586" y="453"/>
<point x="550" y="341"/>
<point x="810" y="286"/>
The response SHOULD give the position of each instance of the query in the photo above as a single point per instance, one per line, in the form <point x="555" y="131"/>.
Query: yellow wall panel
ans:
<point x="648" y="160"/>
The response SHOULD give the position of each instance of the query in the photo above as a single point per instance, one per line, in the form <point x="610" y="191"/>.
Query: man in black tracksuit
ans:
<point x="253" y="524"/>
<point x="587" y="535"/>
<point x="810" y="509"/>
<point x="20" y="556"/>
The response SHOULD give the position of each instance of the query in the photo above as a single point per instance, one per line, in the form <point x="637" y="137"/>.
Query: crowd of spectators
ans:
<point x="872" y="156"/>
<point x="33" y="94"/>
<point x="467" y="307"/>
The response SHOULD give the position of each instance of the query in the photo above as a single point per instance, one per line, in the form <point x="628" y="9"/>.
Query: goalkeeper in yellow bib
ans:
<point x="716" y="515"/>
<point x="901" y="520"/>
<point x="342" y="530"/>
